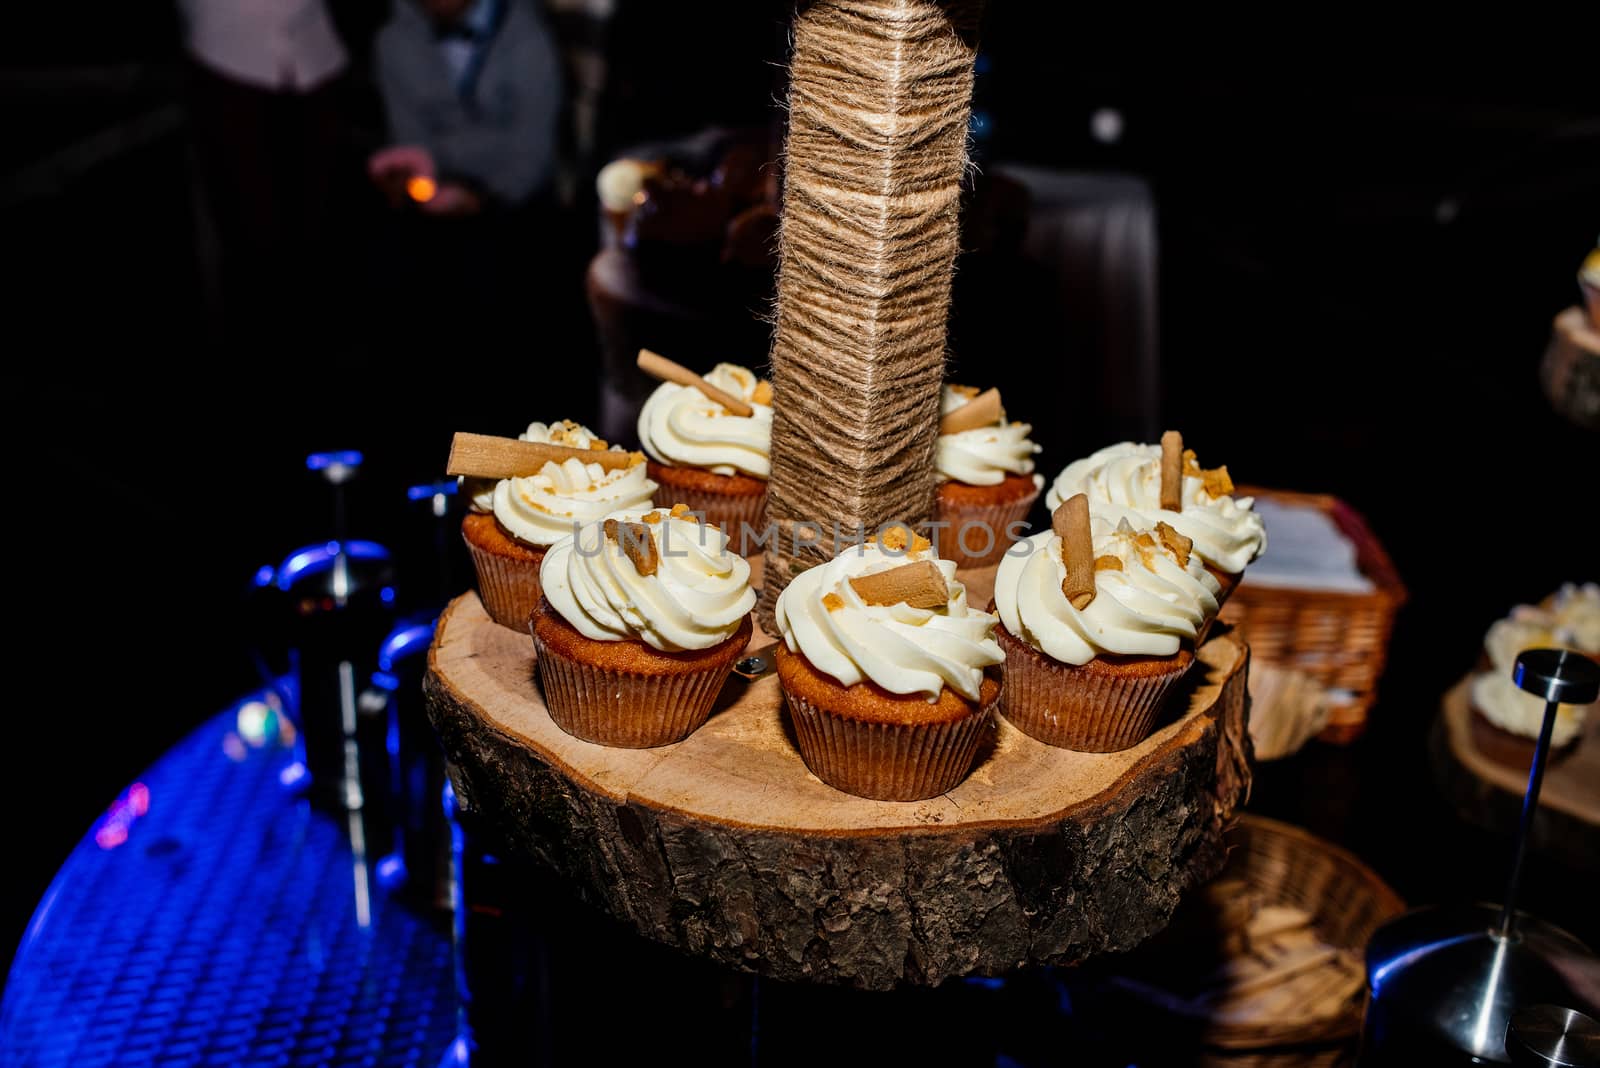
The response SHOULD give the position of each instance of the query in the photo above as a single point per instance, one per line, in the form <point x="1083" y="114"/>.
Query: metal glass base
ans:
<point x="1444" y="984"/>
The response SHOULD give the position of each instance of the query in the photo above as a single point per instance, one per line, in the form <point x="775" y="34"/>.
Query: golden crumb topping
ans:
<point x="896" y="538"/>
<point x="1215" y="481"/>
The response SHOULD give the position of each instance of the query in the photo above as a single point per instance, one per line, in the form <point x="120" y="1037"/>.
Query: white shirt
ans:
<point x="273" y="44"/>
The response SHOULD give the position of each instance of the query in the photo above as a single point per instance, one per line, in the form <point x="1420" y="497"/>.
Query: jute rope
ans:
<point x="878" y="105"/>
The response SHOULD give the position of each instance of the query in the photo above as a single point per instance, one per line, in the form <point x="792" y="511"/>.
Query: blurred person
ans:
<point x="268" y="122"/>
<point x="472" y="94"/>
<point x="472" y="90"/>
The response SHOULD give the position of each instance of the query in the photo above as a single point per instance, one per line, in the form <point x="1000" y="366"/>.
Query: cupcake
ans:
<point x="1098" y="623"/>
<point x="642" y="618"/>
<point x="986" y="484"/>
<point x="706" y="457"/>
<point x="882" y="666"/>
<point x="1125" y="482"/>
<point x="1506" y="719"/>
<point x="511" y="523"/>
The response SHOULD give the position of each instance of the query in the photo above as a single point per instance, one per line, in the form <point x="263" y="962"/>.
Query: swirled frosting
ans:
<point x="681" y="427"/>
<point x="1575" y="611"/>
<point x="905" y="650"/>
<point x="564" y="432"/>
<point x="697" y="597"/>
<point x="543" y="508"/>
<point x="985" y="455"/>
<point x="1147" y="604"/>
<point x="1568" y="619"/>
<point x="1124" y="482"/>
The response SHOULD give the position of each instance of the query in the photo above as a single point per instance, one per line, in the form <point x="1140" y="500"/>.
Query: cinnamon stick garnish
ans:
<point x="1070" y="521"/>
<point x="486" y="456"/>
<point x="636" y="543"/>
<point x="1172" y="471"/>
<point x="658" y="366"/>
<point x="979" y="411"/>
<point x="920" y="585"/>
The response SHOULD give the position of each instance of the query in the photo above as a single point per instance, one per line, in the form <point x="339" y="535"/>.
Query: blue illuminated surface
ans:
<point x="210" y="918"/>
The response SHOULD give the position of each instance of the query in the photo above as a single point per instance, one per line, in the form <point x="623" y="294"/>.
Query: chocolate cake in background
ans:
<point x="687" y="261"/>
<point x="689" y="253"/>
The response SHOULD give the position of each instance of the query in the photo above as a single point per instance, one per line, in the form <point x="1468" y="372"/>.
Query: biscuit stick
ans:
<point x="1070" y="522"/>
<point x="979" y="411"/>
<point x="1172" y="471"/>
<point x="485" y="456"/>
<point x="657" y="366"/>
<point x="920" y="585"/>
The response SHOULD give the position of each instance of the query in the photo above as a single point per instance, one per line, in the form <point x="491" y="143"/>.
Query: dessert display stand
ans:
<point x="725" y="845"/>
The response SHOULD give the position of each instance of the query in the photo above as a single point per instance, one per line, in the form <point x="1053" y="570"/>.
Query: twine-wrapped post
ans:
<point x="880" y="92"/>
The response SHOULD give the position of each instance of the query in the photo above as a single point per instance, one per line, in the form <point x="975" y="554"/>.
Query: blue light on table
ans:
<point x="211" y="918"/>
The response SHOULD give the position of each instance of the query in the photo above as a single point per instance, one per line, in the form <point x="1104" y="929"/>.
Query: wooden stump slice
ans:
<point x="1489" y="793"/>
<point x="726" y="846"/>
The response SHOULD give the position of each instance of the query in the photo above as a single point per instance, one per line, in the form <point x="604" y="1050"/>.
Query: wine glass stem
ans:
<point x="1530" y="804"/>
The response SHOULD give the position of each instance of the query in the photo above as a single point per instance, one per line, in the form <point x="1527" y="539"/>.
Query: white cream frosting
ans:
<point x="1569" y="619"/>
<point x="681" y="427"/>
<point x="563" y="432"/>
<point x="1124" y="482"/>
<point x="1148" y="608"/>
<point x="1575" y="612"/>
<point x="543" y="508"/>
<point x="984" y="456"/>
<point x="697" y="598"/>
<point x="905" y="650"/>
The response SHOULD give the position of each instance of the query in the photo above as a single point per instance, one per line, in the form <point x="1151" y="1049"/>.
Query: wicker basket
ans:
<point x="1347" y="901"/>
<point x="1338" y="639"/>
<point x="1285" y="865"/>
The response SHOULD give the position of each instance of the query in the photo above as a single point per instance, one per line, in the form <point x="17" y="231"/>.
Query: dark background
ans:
<point x="1361" y="256"/>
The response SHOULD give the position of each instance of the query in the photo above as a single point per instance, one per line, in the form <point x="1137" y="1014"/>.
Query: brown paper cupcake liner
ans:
<point x="726" y="512"/>
<point x="886" y="761"/>
<point x="508" y="586"/>
<point x="998" y="518"/>
<point x="625" y="709"/>
<point x="1084" y="710"/>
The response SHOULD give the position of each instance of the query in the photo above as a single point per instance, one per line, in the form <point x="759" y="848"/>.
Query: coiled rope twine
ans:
<point x="878" y="107"/>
